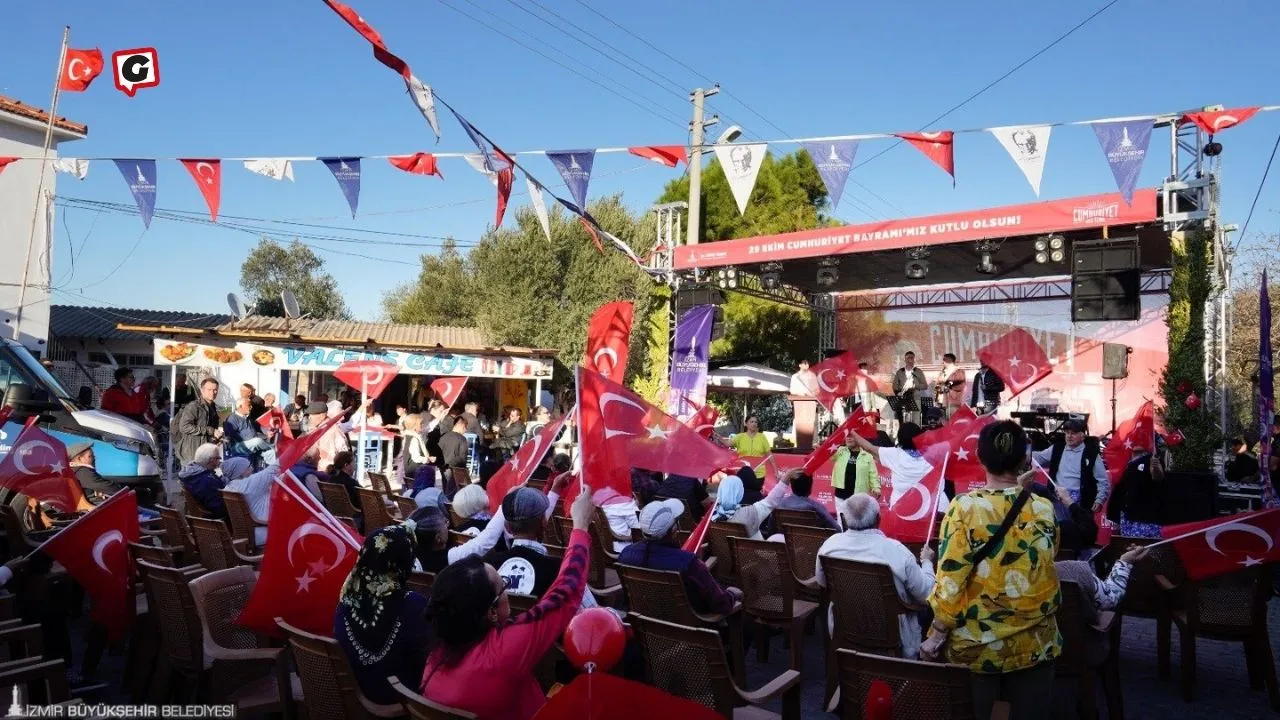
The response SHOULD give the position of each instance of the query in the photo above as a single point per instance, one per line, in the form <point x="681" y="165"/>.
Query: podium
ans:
<point x="805" y="410"/>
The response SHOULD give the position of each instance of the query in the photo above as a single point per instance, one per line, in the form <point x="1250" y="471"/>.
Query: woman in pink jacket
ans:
<point x="483" y="658"/>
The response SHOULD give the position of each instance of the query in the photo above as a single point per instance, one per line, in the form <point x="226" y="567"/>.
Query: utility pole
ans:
<point x="698" y="96"/>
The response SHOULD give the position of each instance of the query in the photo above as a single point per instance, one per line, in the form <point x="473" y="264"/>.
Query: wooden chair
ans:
<point x="865" y="607"/>
<point x="203" y="645"/>
<point x="191" y="506"/>
<point x="381" y="484"/>
<point x="803" y="543"/>
<point x="1074" y="662"/>
<point x="405" y="505"/>
<point x="562" y="528"/>
<point x="769" y="590"/>
<point x="661" y="594"/>
<point x="458" y="539"/>
<point x="337" y="500"/>
<point x="689" y="662"/>
<point x="243" y="525"/>
<point x="921" y="690"/>
<point x="782" y="518"/>
<point x="217" y="550"/>
<point x="718" y="534"/>
<point x="328" y="685"/>
<point x="421" y="582"/>
<point x="373" y="507"/>
<point x="177" y="533"/>
<point x="420" y="708"/>
<point x="1232" y="608"/>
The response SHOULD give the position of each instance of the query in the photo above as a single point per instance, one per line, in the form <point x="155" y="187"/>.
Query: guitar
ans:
<point x="941" y="389"/>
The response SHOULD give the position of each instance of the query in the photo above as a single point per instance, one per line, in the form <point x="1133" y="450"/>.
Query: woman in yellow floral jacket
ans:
<point x="998" y="617"/>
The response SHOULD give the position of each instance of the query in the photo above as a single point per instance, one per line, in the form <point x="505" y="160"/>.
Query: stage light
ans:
<point x="771" y="275"/>
<point x="727" y="278"/>
<point x="1041" y="246"/>
<point x="916" y="269"/>
<point x="1042" y="257"/>
<point x="828" y="272"/>
<point x="1057" y="256"/>
<point x="1212" y="149"/>
<point x="1055" y="242"/>
<point x="985" y="266"/>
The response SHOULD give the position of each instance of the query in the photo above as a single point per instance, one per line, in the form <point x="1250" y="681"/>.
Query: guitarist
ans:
<point x="950" y="385"/>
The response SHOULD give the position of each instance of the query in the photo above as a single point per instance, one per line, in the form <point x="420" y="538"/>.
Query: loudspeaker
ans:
<point x="1105" y="280"/>
<point x="1115" y="361"/>
<point x="692" y="295"/>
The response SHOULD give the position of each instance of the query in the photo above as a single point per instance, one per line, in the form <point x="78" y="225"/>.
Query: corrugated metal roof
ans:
<point x="100" y="323"/>
<point x="359" y="333"/>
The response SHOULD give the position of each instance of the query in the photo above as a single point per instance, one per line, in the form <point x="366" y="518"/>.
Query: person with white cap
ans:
<point x="659" y="551"/>
<point x="200" y="478"/>
<point x="472" y="505"/>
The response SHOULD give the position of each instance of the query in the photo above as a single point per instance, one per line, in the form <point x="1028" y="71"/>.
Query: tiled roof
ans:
<point x="74" y="321"/>
<point x="17" y="107"/>
<point x="360" y="333"/>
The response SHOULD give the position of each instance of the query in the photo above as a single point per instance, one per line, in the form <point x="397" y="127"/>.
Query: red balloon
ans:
<point x="1184" y="387"/>
<point x="1175" y="438"/>
<point x="879" y="705"/>
<point x="594" y="640"/>
<point x="1192" y="401"/>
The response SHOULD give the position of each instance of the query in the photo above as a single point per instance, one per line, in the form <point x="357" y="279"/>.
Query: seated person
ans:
<point x="243" y="435"/>
<point x="620" y="510"/>
<point x="801" y="487"/>
<point x="864" y="542"/>
<point x="690" y="489"/>
<point x="308" y="473"/>
<point x="238" y="474"/>
<point x="1100" y="595"/>
<point x="1077" y="530"/>
<point x="432" y="529"/>
<point x="200" y="478"/>
<point x="96" y="488"/>
<point x="729" y="505"/>
<point x="342" y="472"/>
<point x="659" y="551"/>
<point x="471" y="504"/>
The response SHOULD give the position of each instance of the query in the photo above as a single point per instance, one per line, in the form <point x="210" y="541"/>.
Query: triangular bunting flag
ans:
<point x="274" y="168"/>
<point x="79" y="167"/>
<point x="208" y="177"/>
<point x="575" y="168"/>
<point x="476" y="161"/>
<point x="141" y="178"/>
<point x="417" y="163"/>
<point x="506" y="176"/>
<point x="539" y="205"/>
<point x="669" y="155"/>
<point x="741" y="165"/>
<point x="425" y="99"/>
<point x="492" y="158"/>
<point x="938" y="146"/>
<point x="5" y="161"/>
<point x="1125" y="142"/>
<point x="1027" y="145"/>
<point x="347" y="172"/>
<point x="834" y="160"/>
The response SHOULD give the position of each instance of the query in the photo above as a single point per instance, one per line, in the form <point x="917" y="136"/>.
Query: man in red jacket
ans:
<point x="122" y="400"/>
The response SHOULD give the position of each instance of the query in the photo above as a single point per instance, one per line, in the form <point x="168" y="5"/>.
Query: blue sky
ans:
<point x="288" y="77"/>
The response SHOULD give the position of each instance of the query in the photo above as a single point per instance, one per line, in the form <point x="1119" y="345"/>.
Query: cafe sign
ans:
<point x="328" y="359"/>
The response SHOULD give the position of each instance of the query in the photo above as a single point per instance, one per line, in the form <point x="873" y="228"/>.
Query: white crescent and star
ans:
<point x="605" y="400"/>
<point x="1211" y="536"/>
<point x="610" y="353"/>
<point x="961" y="453"/>
<point x="823" y="383"/>
<point x="924" y="503"/>
<point x="656" y="431"/>
<point x="1014" y="364"/>
<point x="100" y="547"/>
<point x="71" y="70"/>
<point x="1224" y="121"/>
<point x="26" y="449"/>
<point x="374" y="381"/>
<point x="448" y="388"/>
<point x="537" y="447"/>
<point x="210" y="176"/>
<point x="311" y="528"/>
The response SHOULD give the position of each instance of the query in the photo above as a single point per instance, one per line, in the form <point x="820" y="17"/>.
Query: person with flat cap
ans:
<point x="96" y="488"/>
<point x="1074" y="463"/>
<point x="525" y="565"/>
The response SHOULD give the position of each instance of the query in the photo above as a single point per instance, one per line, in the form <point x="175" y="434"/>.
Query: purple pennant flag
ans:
<point x="689" y="361"/>
<point x="347" y="172"/>
<point x="575" y="168"/>
<point x="1266" y="394"/>
<point x="141" y="177"/>
<point x="493" y="157"/>
<point x="1125" y="142"/>
<point x="834" y="160"/>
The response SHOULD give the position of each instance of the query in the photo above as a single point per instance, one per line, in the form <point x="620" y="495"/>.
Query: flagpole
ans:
<point x="577" y="403"/>
<point x="44" y="160"/>
<point x="364" y="422"/>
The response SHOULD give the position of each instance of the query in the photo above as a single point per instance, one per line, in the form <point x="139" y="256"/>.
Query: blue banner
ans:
<point x="347" y="172"/>
<point x="834" y="160"/>
<point x="1266" y="394"/>
<point x="575" y="168"/>
<point x="141" y="178"/>
<point x="1125" y="142"/>
<point x="689" y="362"/>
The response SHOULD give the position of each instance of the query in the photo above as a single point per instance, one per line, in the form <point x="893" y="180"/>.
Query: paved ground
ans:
<point x="1222" y="687"/>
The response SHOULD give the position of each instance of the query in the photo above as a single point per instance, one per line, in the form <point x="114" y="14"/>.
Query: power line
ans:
<point x="1261" y="184"/>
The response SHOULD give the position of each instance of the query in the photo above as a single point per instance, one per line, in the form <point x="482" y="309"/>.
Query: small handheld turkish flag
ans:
<point x="959" y="438"/>
<point x="520" y="468"/>
<point x="1136" y="433"/>
<point x="304" y="566"/>
<point x="79" y="69"/>
<point x="275" y="419"/>
<point x="370" y="377"/>
<point x="838" y="377"/>
<point x="608" y="339"/>
<point x="703" y="422"/>
<point x="449" y="389"/>
<point x="1224" y="545"/>
<point x="289" y="452"/>
<point x="1017" y="359"/>
<point x="858" y="422"/>
<point x="37" y="466"/>
<point x="95" y="551"/>
<point x="911" y="518"/>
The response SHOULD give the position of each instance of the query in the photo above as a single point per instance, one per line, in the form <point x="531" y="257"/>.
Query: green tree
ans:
<point x="272" y="268"/>
<point x="441" y="295"/>
<point x="1189" y="288"/>
<point x="1242" y="350"/>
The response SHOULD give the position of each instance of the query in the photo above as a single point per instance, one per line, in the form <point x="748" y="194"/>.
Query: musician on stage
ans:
<point x="1074" y="463"/>
<point x="985" y="395"/>
<point x="949" y="387"/>
<point x="908" y="383"/>
<point x="804" y="382"/>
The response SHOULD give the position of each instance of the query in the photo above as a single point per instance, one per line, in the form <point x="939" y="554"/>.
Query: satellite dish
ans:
<point x="238" y="309"/>
<point x="291" y="309"/>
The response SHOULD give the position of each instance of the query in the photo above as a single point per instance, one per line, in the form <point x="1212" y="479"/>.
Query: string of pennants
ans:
<point x="1124" y="143"/>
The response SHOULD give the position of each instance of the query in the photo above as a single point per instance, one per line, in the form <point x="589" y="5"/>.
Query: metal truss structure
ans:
<point x="1052" y="288"/>
<point x="825" y="313"/>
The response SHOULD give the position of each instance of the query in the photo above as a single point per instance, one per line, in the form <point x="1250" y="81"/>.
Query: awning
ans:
<point x="750" y="379"/>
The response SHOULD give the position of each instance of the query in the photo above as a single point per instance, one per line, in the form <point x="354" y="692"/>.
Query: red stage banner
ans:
<point x="1030" y="219"/>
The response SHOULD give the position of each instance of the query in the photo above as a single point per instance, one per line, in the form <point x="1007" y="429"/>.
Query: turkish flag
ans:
<point x="608" y="339"/>
<point x="592" y="696"/>
<point x="290" y="451"/>
<point x="937" y="146"/>
<point x="960" y="439"/>
<point x="208" y="176"/>
<point x="94" y="549"/>
<point x="370" y="377"/>
<point x="37" y="466"/>
<point x="449" y="389"/>
<point x="1214" y="121"/>
<point x="1223" y="545"/>
<point x="1017" y="359"/>
<point x="275" y="419"/>
<point x="380" y="51"/>
<point x="4" y="162"/>
<point x="620" y="430"/>
<point x="837" y="377"/>
<point x="704" y="420"/>
<point x="911" y="518"/>
<point x="418" y="163"/>
<point x="858" y="422"/>
<point x="304" y="565"/>
<point x="518" y="470"/>
<point x="669" y="155"/>
<point x="1136" y="433"/>
<point x="79" y="69"/>
<point x="506" y="176"/>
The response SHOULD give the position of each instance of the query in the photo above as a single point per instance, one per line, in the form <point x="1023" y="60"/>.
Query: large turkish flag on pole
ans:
<point x="837" y="377"/>
<point x="608" y="340"/>
<point x="449" y="389"/>
<point x="370" y="377"/>
<point x="960" y="438"/>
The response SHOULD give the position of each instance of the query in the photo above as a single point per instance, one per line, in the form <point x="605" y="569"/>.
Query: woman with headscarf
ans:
<point x="379" y="623"/>
<point x="729" y="505"/>
<point x="471" y="504"/>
